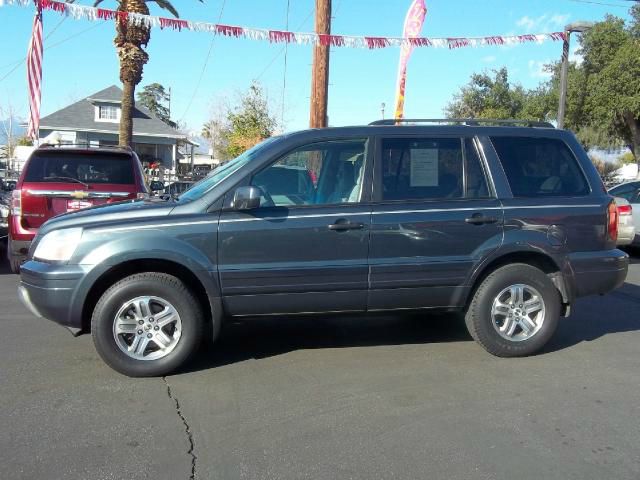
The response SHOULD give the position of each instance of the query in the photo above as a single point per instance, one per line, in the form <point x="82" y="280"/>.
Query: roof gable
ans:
<point x="80" y="116"/>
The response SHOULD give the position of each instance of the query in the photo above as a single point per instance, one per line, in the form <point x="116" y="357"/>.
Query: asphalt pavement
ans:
<point x="407" y="397"/>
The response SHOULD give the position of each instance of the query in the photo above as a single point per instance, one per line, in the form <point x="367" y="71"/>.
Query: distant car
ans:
<point x="176" y="188"/>
<point x="57" y="180"/>
<point x="630" y="192"/>
<point x="626" y="229"/>
<point x="8" y="185"/>
<point x="156" y="186"/>
<point x="200" y="171"/>
<point x="4" y="218"/>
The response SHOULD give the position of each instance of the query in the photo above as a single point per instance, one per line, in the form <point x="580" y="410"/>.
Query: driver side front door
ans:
<point x="304" y="250"/>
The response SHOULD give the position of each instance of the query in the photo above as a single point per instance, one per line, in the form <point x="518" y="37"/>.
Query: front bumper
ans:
<point x="51" y="291"/>
<point x="597" y="273"/>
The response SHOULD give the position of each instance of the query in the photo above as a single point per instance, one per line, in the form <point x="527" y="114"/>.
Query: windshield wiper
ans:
<point x="71" y="179"/>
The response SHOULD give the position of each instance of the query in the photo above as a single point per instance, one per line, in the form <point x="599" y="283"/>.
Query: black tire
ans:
<point x="479" y="320"/>
<point x="14" y="263"/>
<point x="147" y="284"/>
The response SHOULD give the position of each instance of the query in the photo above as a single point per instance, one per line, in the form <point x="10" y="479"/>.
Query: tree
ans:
<point x="603" y="92"/>
<point x="249" y="123"/>
<point x="493" y="96"/>
<point x="155" y="98"/>
<point x="130" y="40"/>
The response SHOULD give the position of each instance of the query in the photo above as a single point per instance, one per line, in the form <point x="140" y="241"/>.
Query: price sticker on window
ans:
<point x="424" y="167"/>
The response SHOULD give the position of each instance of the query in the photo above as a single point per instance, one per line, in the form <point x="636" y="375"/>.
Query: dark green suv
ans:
<point x="508" y="224"/>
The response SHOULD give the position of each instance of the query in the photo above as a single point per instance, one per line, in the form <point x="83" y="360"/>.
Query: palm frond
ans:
<point x="167" y="6"/>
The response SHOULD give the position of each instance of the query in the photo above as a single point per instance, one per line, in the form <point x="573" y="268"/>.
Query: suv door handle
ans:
<point x="344" y="224"/>
<point x="480" y="219"/>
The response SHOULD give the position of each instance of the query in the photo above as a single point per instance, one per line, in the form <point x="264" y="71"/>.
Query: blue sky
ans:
<point x="360" y="80"/>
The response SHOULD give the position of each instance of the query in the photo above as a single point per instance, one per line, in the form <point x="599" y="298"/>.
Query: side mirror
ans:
<point x="246" y="198"/>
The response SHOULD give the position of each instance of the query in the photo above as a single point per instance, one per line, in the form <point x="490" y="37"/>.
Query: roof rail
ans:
<point x="84" y="145"/>
<point x="466" y="121"/>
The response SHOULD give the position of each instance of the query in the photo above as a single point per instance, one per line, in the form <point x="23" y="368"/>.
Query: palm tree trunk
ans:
<point x="126" y="118"/>
<point x="130" y="42"/>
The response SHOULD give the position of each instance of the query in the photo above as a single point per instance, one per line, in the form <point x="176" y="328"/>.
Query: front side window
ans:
<point x="430" y="169"/>
<point x="318" y="174"/>
<point x="540" y="167"/>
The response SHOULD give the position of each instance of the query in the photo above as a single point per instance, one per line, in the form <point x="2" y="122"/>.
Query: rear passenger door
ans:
<point x="434" y="217"/>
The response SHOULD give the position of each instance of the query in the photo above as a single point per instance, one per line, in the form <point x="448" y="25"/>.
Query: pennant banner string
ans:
<point x="85" y="12"/>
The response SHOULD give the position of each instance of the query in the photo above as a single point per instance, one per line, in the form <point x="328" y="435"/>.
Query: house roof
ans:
<point x="80" y="116"/>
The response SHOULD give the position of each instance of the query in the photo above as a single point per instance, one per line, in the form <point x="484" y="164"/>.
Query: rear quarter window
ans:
<point x="540" y="167"/>
<point x="98" y="168"/>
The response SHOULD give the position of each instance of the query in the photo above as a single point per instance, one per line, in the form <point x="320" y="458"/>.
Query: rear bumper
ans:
<point x="597" y="273"/>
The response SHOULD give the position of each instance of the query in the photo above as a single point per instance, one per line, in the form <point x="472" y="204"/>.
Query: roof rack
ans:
<point x="84" y="145"/>
<point x="466" y="121"/>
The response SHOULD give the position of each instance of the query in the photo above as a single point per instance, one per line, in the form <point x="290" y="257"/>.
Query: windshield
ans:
<point x="222" y="172"/>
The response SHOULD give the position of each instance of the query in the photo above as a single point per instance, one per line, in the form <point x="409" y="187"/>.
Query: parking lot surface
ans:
<point x="372" y="398"/>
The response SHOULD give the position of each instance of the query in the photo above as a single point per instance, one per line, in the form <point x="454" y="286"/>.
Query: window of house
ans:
<point x="318" y="174"/>
<point x="107" y="112"/>
<point x="540" y="167"/>
<point x="431" y="168"/>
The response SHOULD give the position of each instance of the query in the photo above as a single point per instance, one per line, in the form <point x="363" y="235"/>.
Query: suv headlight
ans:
<point x="58" y="245"/>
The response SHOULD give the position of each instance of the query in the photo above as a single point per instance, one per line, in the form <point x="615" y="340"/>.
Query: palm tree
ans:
<point x="130" y="42"/>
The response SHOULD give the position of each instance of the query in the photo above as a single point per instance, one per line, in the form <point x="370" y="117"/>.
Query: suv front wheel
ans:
<point x="514" y="312"/>
<point x="147" y="324"/>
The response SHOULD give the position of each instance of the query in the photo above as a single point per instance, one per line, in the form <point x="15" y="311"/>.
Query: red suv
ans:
<point x="58" y="180"/>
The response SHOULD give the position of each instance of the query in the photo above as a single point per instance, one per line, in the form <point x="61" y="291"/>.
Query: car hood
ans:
<point x="110" y="214"/>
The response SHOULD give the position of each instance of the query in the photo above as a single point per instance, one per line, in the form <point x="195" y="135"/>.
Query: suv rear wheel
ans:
<point x="147" y="324"/>
<point x="514" y="312"/>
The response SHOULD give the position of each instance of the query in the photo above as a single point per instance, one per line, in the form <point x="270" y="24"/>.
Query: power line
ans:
<point x="281" y="51"/>
<point x="17" y="64"/>
<point x="204" y="67"/>
<point x="602" y="3"/>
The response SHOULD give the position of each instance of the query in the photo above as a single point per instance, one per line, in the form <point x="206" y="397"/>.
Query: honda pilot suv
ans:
<point x="508" y="224"/>
<point x="58" y="180"/>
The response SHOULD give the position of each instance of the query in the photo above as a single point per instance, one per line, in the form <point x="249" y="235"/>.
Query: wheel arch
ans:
<point x="536" y="258"/>
<point x="211" y="305"/>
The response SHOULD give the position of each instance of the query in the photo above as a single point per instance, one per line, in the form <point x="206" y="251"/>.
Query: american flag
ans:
<point x="34" y="74"/>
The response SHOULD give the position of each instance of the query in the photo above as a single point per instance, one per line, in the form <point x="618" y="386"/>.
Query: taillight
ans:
<point x="612" y="221"/>
<point x="16" y="203"/>
<point x="624" y="210"/>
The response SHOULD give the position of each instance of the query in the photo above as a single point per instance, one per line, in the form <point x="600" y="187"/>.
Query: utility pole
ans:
<point x="320" y="69"/>
<point x="578" y="27"/>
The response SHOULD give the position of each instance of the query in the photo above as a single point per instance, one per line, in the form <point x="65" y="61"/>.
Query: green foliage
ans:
<point x="625" y="159"/>
<point x="603" y="92"/>
<point x="603" y="104"/>
<point x="493" y="96"/>
<point x="24" y="142"/>
<point x="155" y="98"/>
<point x="249" y="123"/>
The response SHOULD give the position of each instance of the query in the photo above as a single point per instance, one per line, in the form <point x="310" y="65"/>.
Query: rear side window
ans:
<point x="540" y="167"/>
<point x="49" y="167"/>
<point x="431" y="169"/>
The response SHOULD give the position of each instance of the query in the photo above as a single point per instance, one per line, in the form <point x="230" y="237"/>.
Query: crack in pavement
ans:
<point x="187" y="430"/>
